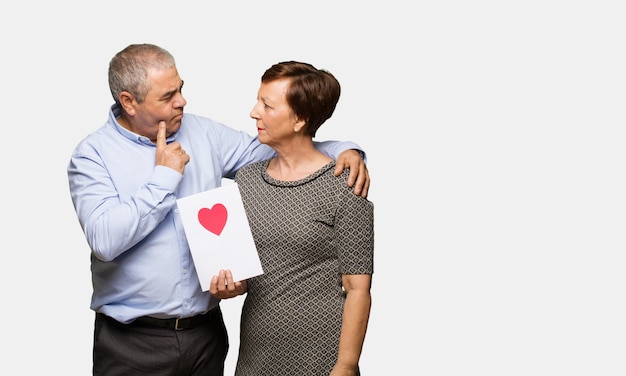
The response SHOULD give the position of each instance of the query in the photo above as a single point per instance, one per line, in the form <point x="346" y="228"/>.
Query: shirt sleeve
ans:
<point x="334" y="148"/>
<point x="113" y="225"/>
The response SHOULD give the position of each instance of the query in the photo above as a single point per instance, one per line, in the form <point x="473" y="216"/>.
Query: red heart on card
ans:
<point x="213" y="219"/>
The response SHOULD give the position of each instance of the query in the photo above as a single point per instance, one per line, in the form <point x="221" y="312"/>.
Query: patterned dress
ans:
<point x="308" y="233"/>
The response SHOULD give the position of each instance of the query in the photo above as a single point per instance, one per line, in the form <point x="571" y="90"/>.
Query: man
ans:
<point x="152" y="317"/>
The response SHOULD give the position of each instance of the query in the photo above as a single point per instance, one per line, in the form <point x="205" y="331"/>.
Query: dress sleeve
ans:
<point x="355" y="234"/>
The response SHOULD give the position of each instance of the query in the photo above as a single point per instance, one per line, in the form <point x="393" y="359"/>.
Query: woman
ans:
<point x="308" y="313"/>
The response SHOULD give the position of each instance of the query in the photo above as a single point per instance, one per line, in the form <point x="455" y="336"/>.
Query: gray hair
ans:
<point x="128" y="70"/>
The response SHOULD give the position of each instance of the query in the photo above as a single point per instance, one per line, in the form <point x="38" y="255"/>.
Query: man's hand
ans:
<point x="223" y="287"/>
<point x="172" y="155"/>
<point x="359" y="176"/>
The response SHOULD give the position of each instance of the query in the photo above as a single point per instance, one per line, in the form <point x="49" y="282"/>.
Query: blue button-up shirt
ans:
<point x="140" y="260"/>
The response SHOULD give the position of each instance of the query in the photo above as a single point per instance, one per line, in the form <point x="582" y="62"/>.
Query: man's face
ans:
<point x="164" y="102"/>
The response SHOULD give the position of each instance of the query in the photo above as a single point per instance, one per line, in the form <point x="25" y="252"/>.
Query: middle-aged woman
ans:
<point x="307" y="314"/>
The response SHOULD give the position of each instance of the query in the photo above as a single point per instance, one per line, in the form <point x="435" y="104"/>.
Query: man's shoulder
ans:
<point x="97" y="136"/>
<point x="191" y="118"/>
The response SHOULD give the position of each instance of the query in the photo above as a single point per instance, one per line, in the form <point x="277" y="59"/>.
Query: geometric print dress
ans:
<point x="307" y="233"/>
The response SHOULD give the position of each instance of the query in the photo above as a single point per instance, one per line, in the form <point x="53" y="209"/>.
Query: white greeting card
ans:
<point x="218" y="234"/>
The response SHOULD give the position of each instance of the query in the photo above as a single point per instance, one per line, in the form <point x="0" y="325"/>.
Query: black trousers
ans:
<point x="129" y="350"/>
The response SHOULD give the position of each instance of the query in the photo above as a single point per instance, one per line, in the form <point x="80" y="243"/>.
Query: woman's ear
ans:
<point x="298" y="125"/>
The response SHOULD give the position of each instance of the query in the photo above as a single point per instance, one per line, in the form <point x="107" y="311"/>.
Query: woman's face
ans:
<point x="275" y="121"/>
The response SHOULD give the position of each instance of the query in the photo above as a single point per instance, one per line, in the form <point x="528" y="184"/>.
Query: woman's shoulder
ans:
<point x="252" y="168"/>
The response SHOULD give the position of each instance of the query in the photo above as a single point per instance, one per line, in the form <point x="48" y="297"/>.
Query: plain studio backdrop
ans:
<point x="495" y="137"/>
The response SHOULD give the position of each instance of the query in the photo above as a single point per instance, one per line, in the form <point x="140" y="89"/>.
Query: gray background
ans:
<point x="495" y="136"/>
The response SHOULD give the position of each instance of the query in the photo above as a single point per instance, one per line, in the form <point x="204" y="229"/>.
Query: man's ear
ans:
<point x="127" y="101"/>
